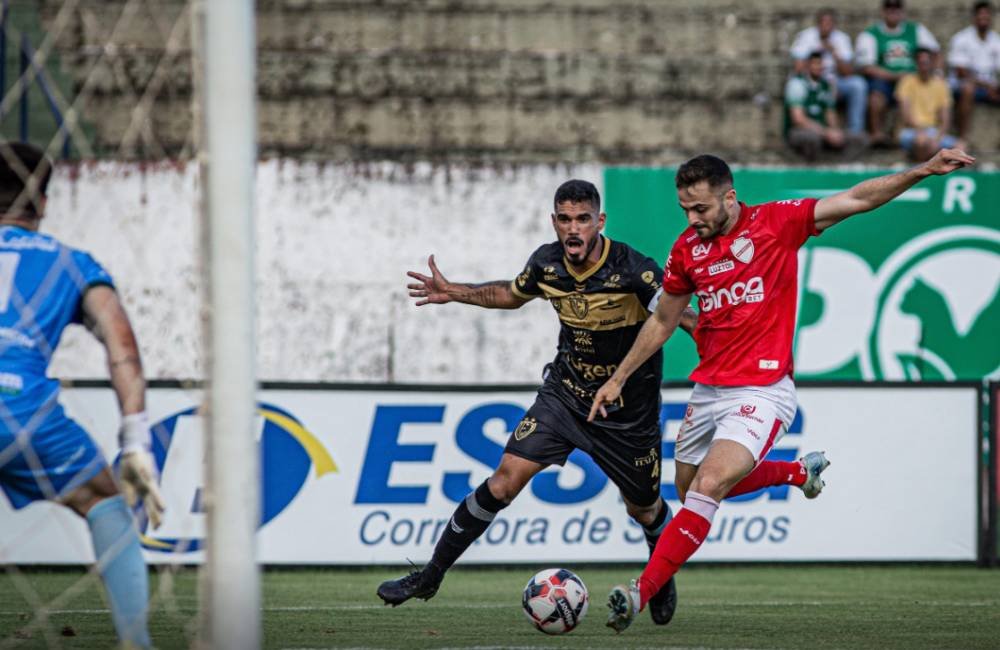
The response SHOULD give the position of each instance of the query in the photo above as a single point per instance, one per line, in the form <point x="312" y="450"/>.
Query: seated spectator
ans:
<point x="925" y="108"/>
<point x="851" y="89"/>
<point x="810" y="118"/>
<point x="974" y="60"/>
<point x="884" y="53"/>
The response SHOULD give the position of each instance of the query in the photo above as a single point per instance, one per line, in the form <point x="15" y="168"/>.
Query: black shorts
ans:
<point x="550" y="431"/>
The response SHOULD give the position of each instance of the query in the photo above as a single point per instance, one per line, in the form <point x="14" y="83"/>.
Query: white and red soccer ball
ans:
<point x="555" y="600"/>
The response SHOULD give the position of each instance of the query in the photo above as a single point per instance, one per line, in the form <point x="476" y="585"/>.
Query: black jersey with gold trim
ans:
<point x="601" y="312"/>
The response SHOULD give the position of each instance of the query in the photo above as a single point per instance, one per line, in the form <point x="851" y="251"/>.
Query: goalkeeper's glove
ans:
<point x="136" y="468"/>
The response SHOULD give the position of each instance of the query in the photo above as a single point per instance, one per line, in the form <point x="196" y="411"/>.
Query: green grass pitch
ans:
<point x="789" y="606"/>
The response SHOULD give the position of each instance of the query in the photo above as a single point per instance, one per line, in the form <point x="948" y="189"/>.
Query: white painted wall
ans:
<point x="334" y="243"/>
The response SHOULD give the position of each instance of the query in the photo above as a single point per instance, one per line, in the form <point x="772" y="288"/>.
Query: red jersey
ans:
<point x="747" y="287"/>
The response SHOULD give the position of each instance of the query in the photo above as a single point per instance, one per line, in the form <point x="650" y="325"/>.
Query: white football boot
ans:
<point x="624" y="605"/>
<point x="814" y="463"/>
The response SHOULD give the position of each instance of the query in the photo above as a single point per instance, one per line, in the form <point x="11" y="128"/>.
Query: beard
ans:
<point x="578" y="255"/>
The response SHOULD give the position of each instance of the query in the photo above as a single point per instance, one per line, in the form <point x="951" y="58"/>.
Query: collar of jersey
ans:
<point x="592" y="270"/>
<point x="900" y="28"/>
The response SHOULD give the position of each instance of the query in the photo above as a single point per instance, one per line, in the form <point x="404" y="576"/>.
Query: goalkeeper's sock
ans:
<point x="122" y="568"/>
<point x="680" y="539"/>
<point x="768" y="474"/>
<point x="471" y="519"/>
<point x="655" y="528"/>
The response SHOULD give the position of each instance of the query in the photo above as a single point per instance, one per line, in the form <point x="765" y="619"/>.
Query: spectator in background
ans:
<point x="884" y="53"/>
<point x="974" y="59"/>
<point x="838" y="54"/>
<point x="925" y="106"/>
<point x="811" y="123"/>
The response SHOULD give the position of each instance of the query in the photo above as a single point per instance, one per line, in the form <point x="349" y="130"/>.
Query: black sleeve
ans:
<point x="525" y="285"/>
<point x="647" y="279"/>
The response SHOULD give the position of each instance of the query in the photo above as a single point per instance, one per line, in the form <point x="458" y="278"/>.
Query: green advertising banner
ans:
<point x="906" y="292"/>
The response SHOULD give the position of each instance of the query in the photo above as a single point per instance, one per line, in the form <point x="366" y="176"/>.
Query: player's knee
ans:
<point x="710" y="485"/>
<point x="85" y="497"/>
<point x="505" y="485"/>
<point x="644" y="515"/>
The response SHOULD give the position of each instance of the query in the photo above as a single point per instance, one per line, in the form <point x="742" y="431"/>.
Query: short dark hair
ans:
<point x="922" y="50"/>
<point x="705" y="167"/>
<point x="815" y="54"/>
<point x="892" y="4"/>
<point x="982" y="4"/>
<point x="577" y="191"/>
<point x="20" y="161"/>
<point x="826" y="11"/>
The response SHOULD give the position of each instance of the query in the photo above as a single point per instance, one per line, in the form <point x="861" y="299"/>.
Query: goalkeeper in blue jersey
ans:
<point x="44" y="286"/>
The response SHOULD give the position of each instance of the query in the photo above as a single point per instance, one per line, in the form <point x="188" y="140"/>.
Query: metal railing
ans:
<point x="30" y="72"/>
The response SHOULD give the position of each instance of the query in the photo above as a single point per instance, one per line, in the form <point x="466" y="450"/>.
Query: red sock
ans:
<point x="679" y="540"/>
<point x="770" y="473"/>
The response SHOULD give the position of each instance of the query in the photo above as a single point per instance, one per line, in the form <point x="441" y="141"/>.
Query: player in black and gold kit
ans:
<point x="602" y="291"/>
<point x="600" y="311"/>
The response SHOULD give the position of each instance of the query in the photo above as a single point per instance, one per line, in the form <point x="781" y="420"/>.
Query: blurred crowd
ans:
<point x="894" y="85"/>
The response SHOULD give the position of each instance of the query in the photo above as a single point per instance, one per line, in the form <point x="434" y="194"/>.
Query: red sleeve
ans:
<point x="675" y="277"/>
<point x="794" y="220"/>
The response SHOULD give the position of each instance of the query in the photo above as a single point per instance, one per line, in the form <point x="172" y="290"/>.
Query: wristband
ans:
<point x="134" y="434"/>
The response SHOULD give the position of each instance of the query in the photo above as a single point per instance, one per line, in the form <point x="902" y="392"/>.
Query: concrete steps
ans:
<point x="510" y="81"/>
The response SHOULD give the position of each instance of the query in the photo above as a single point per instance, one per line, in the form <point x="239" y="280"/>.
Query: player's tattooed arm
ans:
<point x="689" y="320"/>
<point x="493" y="295"/>
<point x="436" y="289"/>
<point x="105" y="317"/>
<point x="874" y="192"/>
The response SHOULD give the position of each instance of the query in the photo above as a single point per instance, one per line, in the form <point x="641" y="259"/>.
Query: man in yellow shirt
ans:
<point x="925" y="108"/>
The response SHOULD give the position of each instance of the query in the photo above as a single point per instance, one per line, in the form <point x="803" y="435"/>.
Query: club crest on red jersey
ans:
<point x="742" y="249"/>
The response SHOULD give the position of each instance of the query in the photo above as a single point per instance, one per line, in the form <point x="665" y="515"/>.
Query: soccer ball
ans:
<point x="555" y="600"/>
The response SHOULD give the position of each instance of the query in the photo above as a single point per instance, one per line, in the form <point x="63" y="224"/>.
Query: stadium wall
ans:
<point x="334" y="243"/>
<point x="902" y="294"/>
<point x="529" y="81"/>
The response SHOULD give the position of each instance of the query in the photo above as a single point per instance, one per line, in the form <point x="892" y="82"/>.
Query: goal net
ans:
<point x="146" y="111"/>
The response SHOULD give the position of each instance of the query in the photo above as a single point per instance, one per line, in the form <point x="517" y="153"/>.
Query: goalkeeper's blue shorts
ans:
<point x="48" y="460"/>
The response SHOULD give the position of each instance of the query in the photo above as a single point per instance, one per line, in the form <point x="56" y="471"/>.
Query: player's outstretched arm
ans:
<point x="106" y="318"/>
<point x="435" y="289"/>
<point x="874" y="192"/>
<point x="654" y="333"/>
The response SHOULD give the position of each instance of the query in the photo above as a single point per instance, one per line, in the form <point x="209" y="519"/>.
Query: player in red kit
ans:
<point x="741" y="263"/>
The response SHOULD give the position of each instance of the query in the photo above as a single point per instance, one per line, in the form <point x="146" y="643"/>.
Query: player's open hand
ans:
<point x="606" y="394"/>
<point x="139" y="482"/>
<point x="946" y="161"/>
<point x="433" y="289"/>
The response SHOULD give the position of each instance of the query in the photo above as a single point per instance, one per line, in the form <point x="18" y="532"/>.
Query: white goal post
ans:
<point x="230" y="599"/>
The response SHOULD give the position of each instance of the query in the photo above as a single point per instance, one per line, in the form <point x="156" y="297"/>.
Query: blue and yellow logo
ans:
<point x="287" y="452"/>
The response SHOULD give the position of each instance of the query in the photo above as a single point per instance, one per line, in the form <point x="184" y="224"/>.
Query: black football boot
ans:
<point x="420" y="583"/>
<point x="662" y="605"/>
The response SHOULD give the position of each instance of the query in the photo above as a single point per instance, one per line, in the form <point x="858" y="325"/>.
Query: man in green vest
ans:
<point x="811" y="121"/>
<point x="884" y="53"/>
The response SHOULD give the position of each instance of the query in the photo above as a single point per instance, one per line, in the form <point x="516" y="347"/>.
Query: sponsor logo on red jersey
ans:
<point x="721" y="267"/>
<point x="700" y="251"/>
<point x="738" y="292"/>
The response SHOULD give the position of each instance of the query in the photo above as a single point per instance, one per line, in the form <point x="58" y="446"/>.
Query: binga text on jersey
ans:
<point x="601" y="312"/>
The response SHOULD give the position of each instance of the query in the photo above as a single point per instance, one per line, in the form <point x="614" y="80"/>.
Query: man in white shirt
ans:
<point x="884" y="53"/>
<point x="851" y="89"/>
<point x="974" y="63"/>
